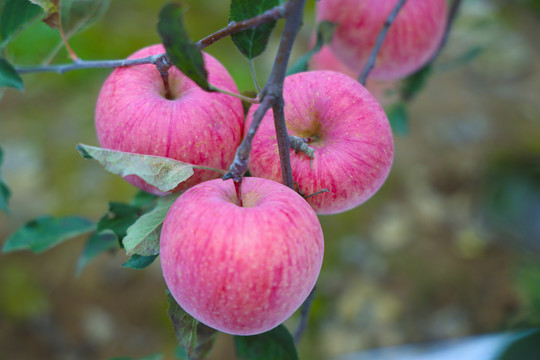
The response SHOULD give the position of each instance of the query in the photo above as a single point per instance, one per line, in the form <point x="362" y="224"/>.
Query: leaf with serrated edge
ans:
<point x="163" y="173"/>
<point x="15" y="15"/>
<point x="9" y="76"/>
<point x="274" y="344"/>
<point x="46" y="232"/>
<point x="196" y="338"/>
<point x="252" y="42"/>
<point x="143" y="236"/>
<point x="183" y="53"/>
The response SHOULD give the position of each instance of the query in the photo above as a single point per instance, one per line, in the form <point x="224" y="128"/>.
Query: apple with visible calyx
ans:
<point x="346" y="127"/>
<point x="411" y="40"/>
<point x="244" y="269"/>
<point x="386" y="92"/>
<point x="194" y="126"/>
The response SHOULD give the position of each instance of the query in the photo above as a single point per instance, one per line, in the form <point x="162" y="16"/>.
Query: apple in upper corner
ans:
<point x="412" y="39"/>
<point x="386" y="92"/>
<point x="346" y="127"/>
<point x="195" y="126"/>
<point x="244" y="269"/>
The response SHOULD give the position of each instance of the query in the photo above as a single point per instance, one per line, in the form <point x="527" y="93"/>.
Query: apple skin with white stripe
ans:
<point x="244" y="269"/>
<point x="195" y="126"/>
<point x="411" y="40"/>
<point x="346" y="127"/>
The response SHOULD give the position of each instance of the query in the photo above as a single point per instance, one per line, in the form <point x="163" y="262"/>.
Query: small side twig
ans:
<point x="380" y="39"/>
<point x="452" y="14"/>
<point x="316" y="193"/>
<point x="304" y="312"/>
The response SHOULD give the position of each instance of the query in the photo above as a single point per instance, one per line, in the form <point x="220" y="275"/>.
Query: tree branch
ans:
<point x="273" y="14"/>
<point x="235" y="27"/>
<point x="452" y="14"/>
<point x="271" y="96"/>
<point x="380" y="39"/>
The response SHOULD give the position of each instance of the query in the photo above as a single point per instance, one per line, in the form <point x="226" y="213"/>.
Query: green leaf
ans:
<point x="143" y="236"/>
<point x="196" y="338"/>
<point x="16" y="14"/>
<point x="96" y="244"/>
<point x="325" y="31"/>
<point x="183" y="53"/>
<point x="5" y="193"/>
<point x="139" y="262"/>
<point x="46" y="232"/>
<point x="77" y="15"/>
<point x="143" y="199"/>
<point x="252" y="42"/>
<point x="412" y="85"/>
<point x="161" y="172"/>
<point x="9" y="76"/>
<point x="398" y="118"/>
<point x="524" y="347"/>
<point x="119" y="218"/>
<point x="275" y="344"/>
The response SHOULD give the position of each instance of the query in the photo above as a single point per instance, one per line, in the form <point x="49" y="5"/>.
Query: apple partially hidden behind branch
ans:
<point x="346" y="127"/>
<point x="412" y="39"/>
<point x="386" y="92"/>
<point x="197" y="127"/>
<point x="245" y="269"/>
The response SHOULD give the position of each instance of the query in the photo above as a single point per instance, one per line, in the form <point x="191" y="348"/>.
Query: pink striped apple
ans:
<point x="197" y="127"/>
<point x="411" y="40"/>
<point x="386" y="92"/>
<point x="244" y="269"/>
<point x="346" y="127"/>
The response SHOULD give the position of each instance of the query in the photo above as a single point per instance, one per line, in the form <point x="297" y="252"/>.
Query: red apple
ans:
<point x="411" y="40"/>
<point x="386" y="92"/>
<point x="346" y="127"/>
<point x="197" y="127"/>
<point x="245" y="269"/>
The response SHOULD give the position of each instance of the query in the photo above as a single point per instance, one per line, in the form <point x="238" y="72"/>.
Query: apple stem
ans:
<point x="239" y="96"/>
<point x="163" y="65"/>
<point x="238" y="189"/>
<point x="254" y="76"/>
<point x="380" y="39"/>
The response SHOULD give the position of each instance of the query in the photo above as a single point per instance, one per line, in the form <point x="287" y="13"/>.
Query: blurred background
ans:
<point x="447" y="248"/>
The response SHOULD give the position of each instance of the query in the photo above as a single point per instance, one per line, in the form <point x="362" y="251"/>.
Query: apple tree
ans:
<point x="231" y="183"/>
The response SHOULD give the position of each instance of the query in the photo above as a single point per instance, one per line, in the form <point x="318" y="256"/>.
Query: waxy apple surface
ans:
<point x="386" y="92"/>
<point x="195" y="126"/>
<point x="346" y="127"/>
<point x="412" y="39"/>
<point x="241" y="270"/>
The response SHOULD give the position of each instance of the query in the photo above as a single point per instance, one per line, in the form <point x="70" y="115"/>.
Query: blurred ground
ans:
<point x="432" y="256"/>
